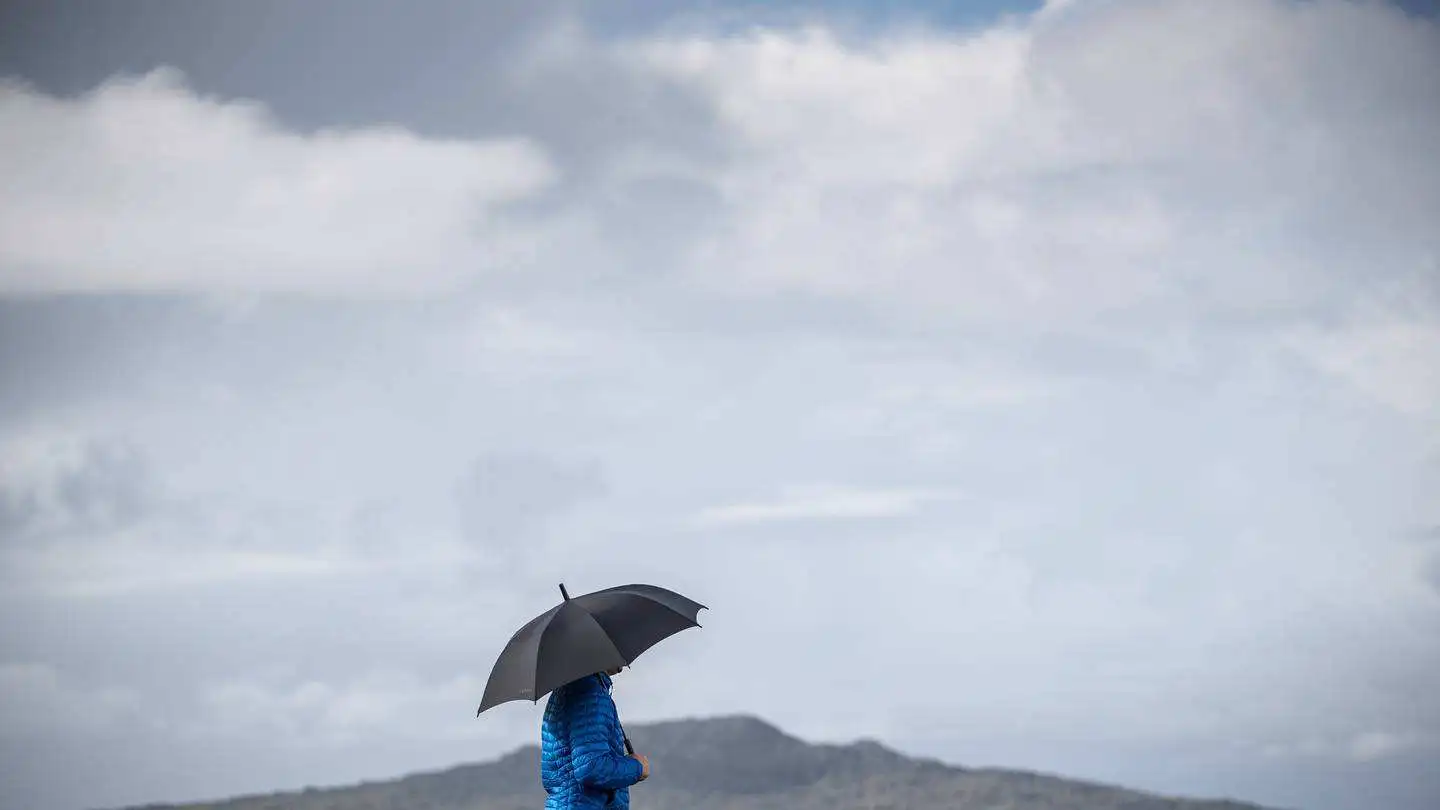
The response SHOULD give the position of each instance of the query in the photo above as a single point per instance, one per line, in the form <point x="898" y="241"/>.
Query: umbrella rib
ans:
<point x="540" y="643"/>
<point x="605" y="633"/>
<point x="655" y="600"/>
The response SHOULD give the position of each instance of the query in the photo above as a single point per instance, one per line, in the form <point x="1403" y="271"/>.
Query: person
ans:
<point x="583" y="759"/>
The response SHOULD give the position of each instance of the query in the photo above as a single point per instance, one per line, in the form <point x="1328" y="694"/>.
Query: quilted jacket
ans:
<point x="582" y="751"/>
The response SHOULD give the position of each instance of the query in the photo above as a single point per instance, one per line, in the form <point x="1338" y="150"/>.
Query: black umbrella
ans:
<point x="581" y="636"/>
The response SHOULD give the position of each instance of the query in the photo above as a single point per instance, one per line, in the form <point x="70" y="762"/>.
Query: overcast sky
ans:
<point x="1051" y="387"/>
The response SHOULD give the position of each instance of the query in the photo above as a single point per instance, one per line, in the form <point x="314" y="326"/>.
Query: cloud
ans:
<point x="298" y="713"/>
<point x="1389" y="355"/>
<point x="822" y="503"/>
<point x="1027" y="178"/>
<point x="187" y="548"/>
<point x="1373" y="745"/>
<point x="58" y="483"/>
<point x="1116" y="379"/>
<point x="1008" y="177"/>
<point x="142" y="185"/>
<point x="37" y="700"/>
<point x="1363" y="747"/>
<point x="504" y="497"/>
<point x="85" y="516"/>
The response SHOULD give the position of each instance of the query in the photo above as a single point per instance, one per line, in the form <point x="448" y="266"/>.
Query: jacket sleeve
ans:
<point x="596" y="763"/>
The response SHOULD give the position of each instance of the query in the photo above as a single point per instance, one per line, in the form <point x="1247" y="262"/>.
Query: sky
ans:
<point x="1049" y="386"/>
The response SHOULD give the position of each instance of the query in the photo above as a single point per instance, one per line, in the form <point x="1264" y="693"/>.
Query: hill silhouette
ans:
<point x="736" y="763"/>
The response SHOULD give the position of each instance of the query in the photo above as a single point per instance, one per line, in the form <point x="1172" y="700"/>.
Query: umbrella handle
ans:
<point x="629" y="749"/>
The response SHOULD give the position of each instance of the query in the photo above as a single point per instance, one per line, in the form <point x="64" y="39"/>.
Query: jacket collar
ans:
<point x="605" y="680"/>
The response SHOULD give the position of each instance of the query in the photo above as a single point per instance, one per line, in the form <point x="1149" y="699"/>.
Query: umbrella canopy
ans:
<point x="584" y="635"/>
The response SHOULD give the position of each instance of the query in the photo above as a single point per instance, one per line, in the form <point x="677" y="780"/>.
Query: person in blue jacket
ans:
<point x="583" y="763"/>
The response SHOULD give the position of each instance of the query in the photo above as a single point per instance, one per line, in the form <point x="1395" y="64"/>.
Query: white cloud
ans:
<point x="1390" y="354"/>
<point x="1362" y="747"/>
<point x="1373" y="745"/>
<point x="512" y="333"/>
<point x="1029" y="177"/>
<point x="820" y="502"/>
<point x="141" y="184"/>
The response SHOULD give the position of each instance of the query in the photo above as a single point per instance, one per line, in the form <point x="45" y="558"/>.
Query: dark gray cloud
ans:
<point x="109" y="490"/>
<point x="316" y="64"/>
<point x="445" y="69"/>
<point x="102" y="487"/>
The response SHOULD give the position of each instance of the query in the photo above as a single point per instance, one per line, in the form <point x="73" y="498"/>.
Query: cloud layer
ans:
<point x="1068" y="384"/>
<point x="142" y="185"/>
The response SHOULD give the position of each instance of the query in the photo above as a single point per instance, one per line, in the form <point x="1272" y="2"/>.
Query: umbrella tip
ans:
<point x="564" y="592"/>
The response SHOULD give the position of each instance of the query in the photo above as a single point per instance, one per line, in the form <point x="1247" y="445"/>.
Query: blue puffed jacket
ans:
<point x="582" y="750"/>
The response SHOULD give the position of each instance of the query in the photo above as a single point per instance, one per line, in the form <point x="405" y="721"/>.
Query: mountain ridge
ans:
<point x="733" y="762"/>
